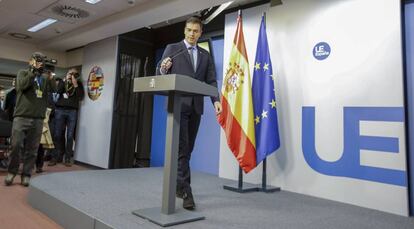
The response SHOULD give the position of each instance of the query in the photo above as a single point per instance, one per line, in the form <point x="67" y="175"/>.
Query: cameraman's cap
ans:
<point x="38" y="56"/>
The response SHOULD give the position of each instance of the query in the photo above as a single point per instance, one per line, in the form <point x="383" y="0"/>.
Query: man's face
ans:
<point x="192" y="32"/>
<point x="36" y="64"/>
<point x="71" y="73"/>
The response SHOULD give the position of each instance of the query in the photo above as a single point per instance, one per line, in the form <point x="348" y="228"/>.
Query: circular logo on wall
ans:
<point x="95" y="83"/>
<point x="321" y="51"/>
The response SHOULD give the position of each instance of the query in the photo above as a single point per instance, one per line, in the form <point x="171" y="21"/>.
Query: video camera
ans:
<point x="48" y="64"/>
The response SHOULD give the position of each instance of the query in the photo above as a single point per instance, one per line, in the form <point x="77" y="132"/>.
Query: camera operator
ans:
<point x="70" y="91"/>
<point x="32" y="85"/>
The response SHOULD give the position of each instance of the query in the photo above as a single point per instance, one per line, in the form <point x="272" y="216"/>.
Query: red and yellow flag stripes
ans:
<point x="237" y="117"/>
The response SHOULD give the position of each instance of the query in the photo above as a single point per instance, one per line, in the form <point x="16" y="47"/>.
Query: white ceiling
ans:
<point x="16" y="16"/>
<point x="107" y="18"/>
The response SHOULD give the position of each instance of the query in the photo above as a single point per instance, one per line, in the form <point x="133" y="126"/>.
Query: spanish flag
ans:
<point x="237" y="117"/>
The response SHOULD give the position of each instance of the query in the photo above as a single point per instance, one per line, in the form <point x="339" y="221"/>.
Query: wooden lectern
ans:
<point x="174" y="86"/>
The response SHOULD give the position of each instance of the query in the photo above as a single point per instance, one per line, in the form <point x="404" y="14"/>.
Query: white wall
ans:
<point x="364" y="69"/>
<point x="95" y="118"/>
<point x="22" y="51"/>
<point x="74" y="58"/>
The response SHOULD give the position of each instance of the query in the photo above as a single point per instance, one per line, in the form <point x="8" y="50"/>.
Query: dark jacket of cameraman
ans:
<point x="69" y="96"/>
<point x="28" y="103"/>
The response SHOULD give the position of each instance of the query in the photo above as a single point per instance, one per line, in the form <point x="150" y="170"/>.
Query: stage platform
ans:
<point x="102" y="199"/>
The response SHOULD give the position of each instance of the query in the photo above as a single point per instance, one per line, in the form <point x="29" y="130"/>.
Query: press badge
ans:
<point x="65" y="95"/>
<point x="39" y="93"/>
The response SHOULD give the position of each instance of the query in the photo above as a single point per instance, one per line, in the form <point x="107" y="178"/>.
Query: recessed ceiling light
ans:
<point x="42" y="25"/>
<point x="217" y="12"/>
<point x="92" y="1"/>
<point x="20" y="35"/>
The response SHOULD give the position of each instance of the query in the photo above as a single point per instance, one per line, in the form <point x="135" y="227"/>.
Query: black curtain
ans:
<point x="132" y="118"/>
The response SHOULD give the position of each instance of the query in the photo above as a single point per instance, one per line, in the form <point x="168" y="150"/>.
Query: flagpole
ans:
<point x="265" y="188"/>
<point x="239" y="188"/>
<point x="264" y="175"/>
<point x="264" y="17"/>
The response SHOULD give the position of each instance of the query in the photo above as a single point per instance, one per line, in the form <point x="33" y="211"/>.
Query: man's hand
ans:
<point x="38" y="65"/>
<point x="166" y="65"/>
<point x="218" y="107"/>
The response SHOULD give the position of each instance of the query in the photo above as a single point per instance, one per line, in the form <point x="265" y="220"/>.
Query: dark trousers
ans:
<point x="189" y="123"/>
<point x="52" y="153"/>
<point x="65" y="120"/>
<point x="40" y="159"/>
<point x="26" y="133"/>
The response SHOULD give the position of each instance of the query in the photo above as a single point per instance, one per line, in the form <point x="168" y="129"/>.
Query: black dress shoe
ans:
<point x="39" y="170"/>
<point x="188" y="201"/>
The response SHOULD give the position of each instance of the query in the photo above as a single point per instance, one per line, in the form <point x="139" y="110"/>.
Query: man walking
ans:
<point x="187" y="58"/>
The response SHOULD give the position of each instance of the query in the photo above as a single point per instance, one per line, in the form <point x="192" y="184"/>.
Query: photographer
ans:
<point x="32" y="86"/>
<point x="70" y="91"/>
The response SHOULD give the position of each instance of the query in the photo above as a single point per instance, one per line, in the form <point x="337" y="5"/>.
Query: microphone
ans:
<point x="178" y="53"/>
<point x="158" y="68"/>
<point x="145" y="66"/>
<point x="172" y="57"/>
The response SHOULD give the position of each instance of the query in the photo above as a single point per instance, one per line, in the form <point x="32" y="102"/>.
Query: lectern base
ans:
<point x="180" y="216"/>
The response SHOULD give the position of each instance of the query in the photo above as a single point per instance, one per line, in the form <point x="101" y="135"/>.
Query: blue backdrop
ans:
<point x="409" y="37"/>
<point x="205" y="157"/>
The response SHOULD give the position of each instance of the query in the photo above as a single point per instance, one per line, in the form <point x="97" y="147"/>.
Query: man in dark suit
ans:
<point x="187" y="58"/>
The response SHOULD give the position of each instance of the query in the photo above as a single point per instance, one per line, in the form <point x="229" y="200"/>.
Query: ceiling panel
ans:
<point x="121" y="5"/>
<point x="21" y="24"/>
<point x="25" y="6"/>
<point x="106" y="18"/>
<point x="7" y="17"/>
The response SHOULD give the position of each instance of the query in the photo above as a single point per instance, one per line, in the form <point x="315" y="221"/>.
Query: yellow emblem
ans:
<point x="234" y="78"/>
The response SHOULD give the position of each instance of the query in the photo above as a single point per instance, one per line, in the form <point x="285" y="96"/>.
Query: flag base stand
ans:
<point x="268" y="189"/>
<point x="241" y="189"/>
<point x="250" y="187"/>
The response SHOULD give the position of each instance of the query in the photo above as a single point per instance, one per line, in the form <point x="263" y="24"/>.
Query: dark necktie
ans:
<point x="191" y="50"/>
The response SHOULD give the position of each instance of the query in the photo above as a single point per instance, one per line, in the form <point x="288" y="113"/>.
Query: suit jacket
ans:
<point x="181" y="64"/>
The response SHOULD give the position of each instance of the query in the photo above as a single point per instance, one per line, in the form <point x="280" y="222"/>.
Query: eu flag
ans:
<point x="264" y="100"/>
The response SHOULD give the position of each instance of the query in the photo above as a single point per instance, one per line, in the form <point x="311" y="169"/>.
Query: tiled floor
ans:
<point x="15" y="212"/>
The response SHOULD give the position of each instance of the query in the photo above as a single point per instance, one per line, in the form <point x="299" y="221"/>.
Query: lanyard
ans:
<point x="38" y="81"/>
<point x="69" y="89"/>
<point x="38" y="89"/>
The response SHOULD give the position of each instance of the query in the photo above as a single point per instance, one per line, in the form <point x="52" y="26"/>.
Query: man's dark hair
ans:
<point x="194" y="20"/>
